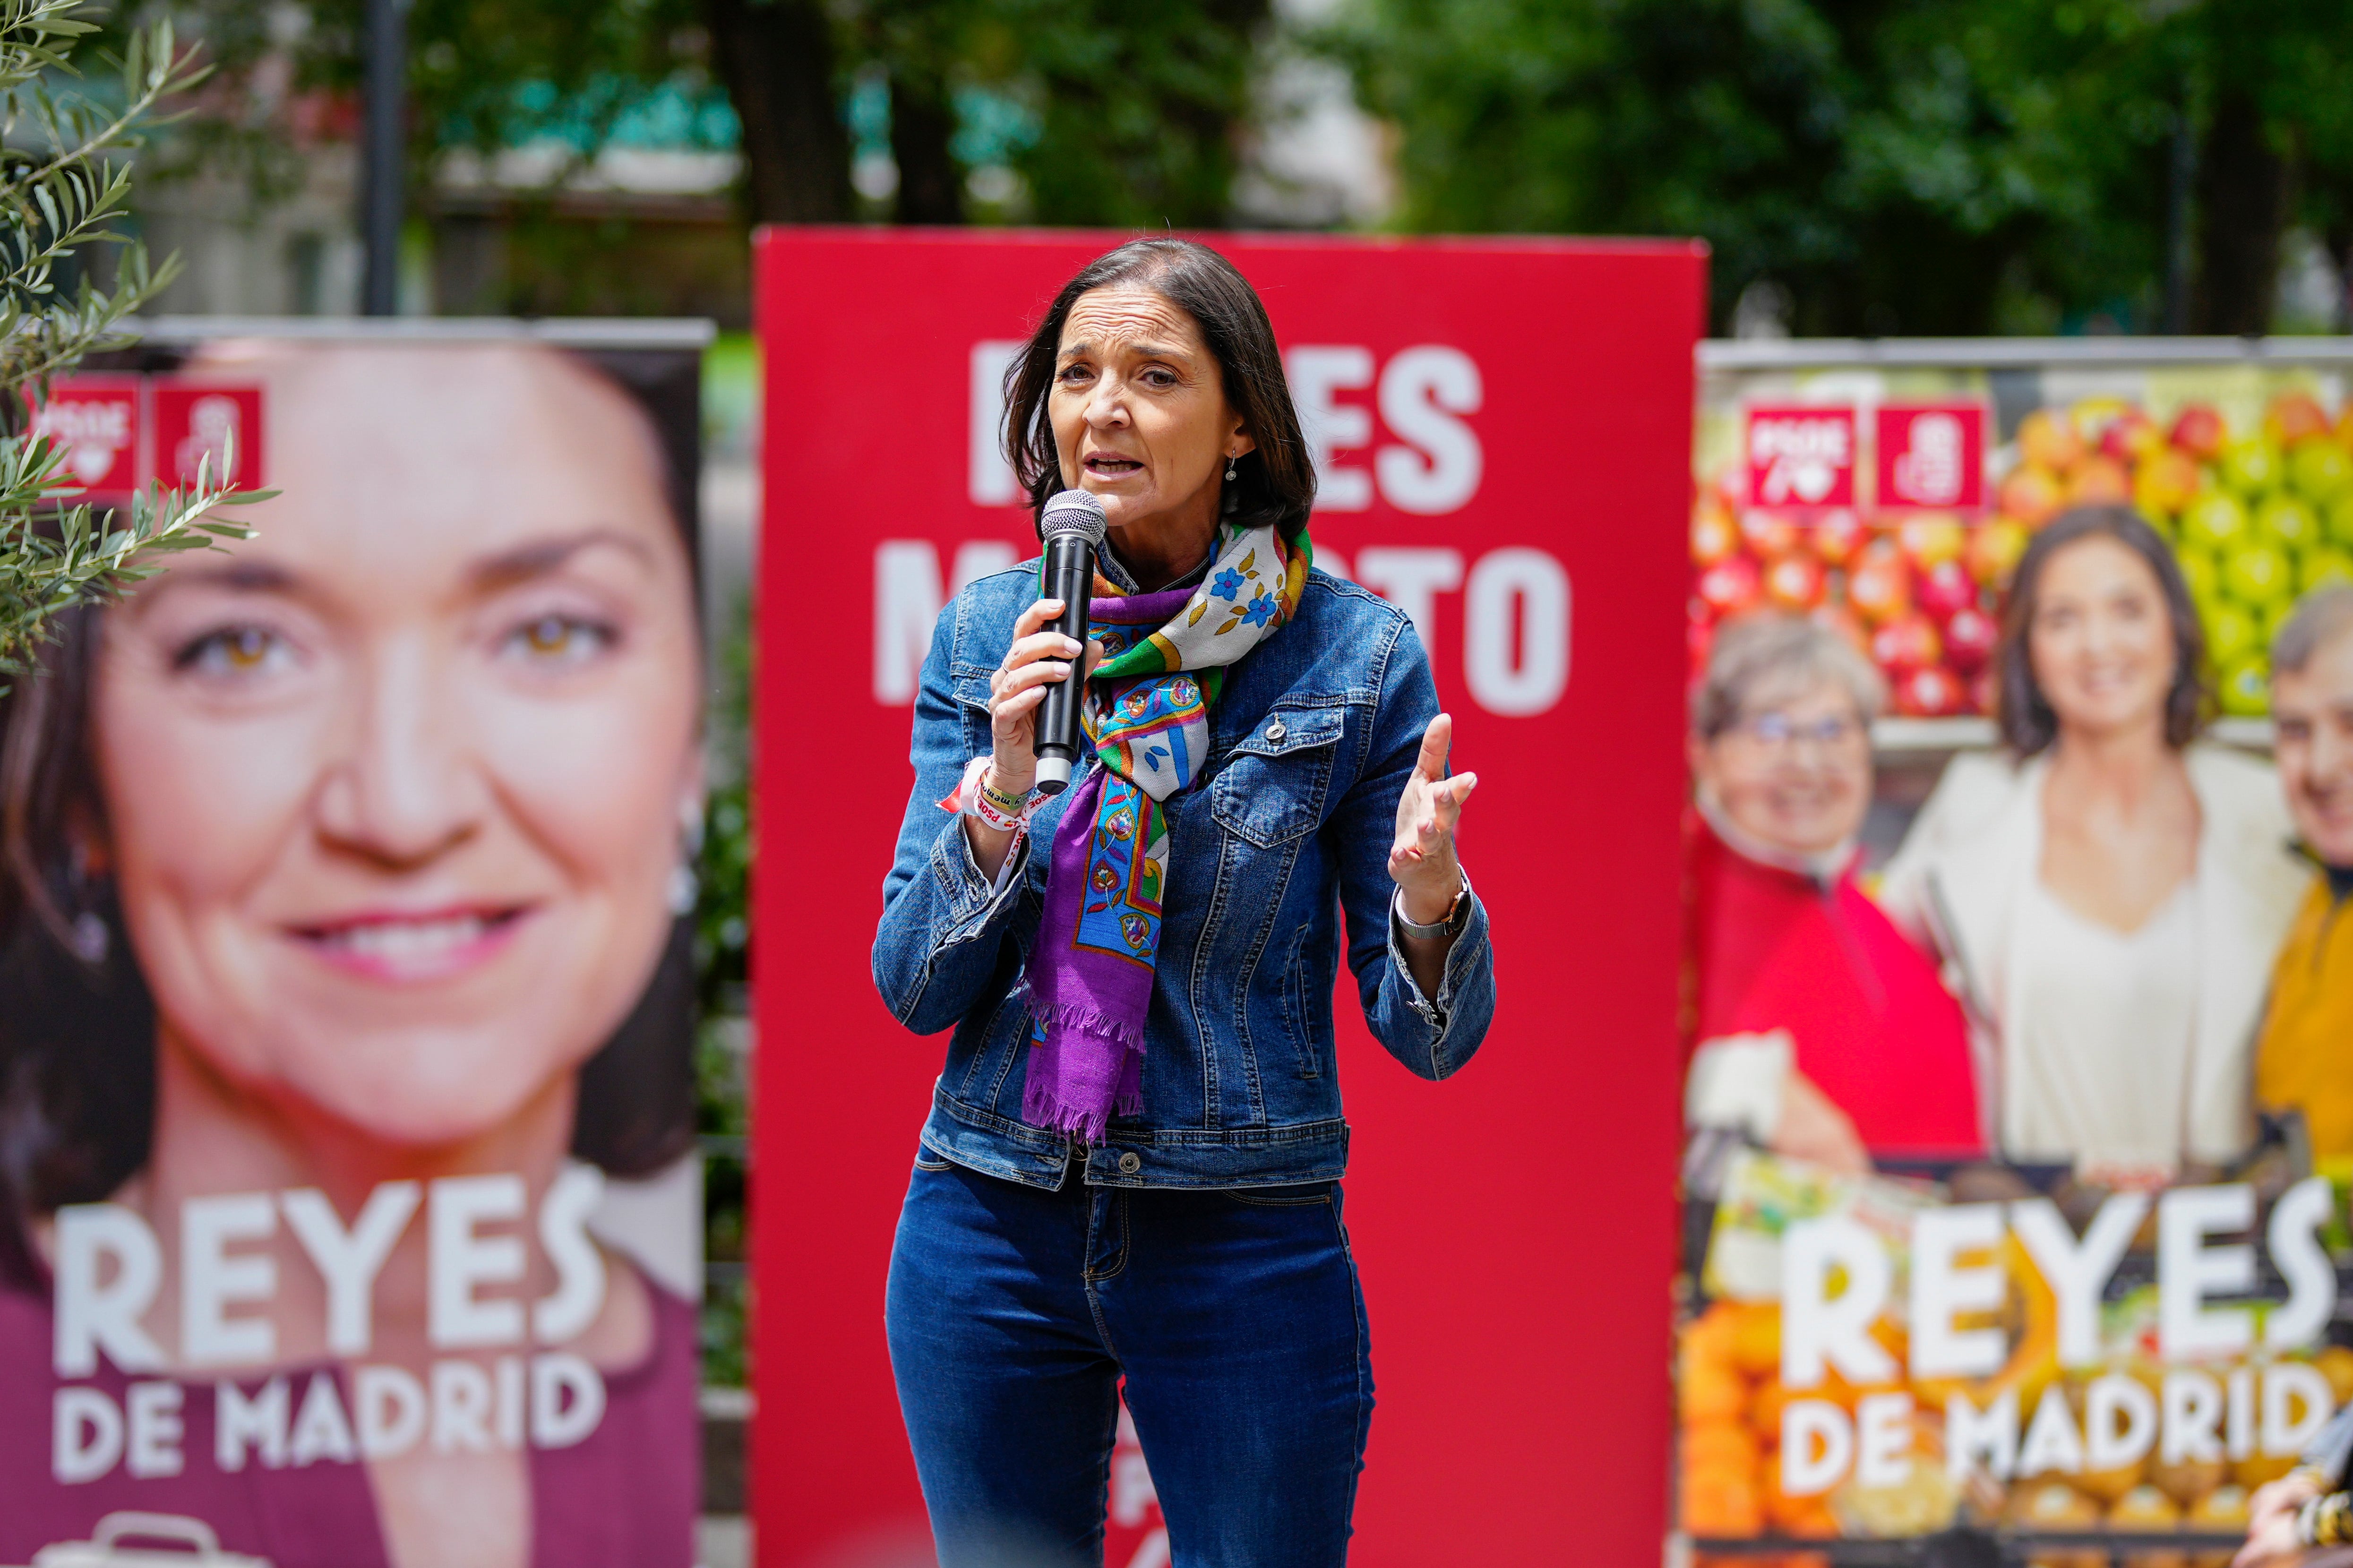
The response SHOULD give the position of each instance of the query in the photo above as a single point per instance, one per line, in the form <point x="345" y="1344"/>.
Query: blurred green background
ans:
<point x="1859" y="166"/>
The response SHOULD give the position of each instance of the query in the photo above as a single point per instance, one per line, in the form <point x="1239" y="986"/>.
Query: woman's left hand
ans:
<point x="1423" y="858"/>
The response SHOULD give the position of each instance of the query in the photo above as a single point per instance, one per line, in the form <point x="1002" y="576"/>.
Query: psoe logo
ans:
<point x="1801" y="456"/>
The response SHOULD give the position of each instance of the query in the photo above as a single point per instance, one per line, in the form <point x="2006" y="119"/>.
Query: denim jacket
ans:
<point x="1287" y="824"/>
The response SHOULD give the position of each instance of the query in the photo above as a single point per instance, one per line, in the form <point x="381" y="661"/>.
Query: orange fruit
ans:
<point x="1756" y="1339"/>
<point x="1710" y="1393"/>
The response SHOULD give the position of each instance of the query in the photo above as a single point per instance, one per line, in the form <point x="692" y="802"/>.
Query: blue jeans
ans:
<point x="1234" y="1317"/>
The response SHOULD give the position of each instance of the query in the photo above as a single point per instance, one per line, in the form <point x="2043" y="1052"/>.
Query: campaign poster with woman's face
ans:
<point x="2017" y="974"/>
<point x="344" y="1066"/>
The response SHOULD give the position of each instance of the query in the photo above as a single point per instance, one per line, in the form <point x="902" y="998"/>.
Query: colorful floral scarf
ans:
<point x="1147" y="711"/>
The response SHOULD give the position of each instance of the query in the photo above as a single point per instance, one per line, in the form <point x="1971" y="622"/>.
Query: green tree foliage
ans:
<point x="1896" y="166"/>
<point x="61" y="186"/>
<point x="1131" y="112"/>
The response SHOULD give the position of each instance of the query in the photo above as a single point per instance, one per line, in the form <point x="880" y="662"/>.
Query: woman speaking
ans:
<point x="1131" y="1167"/>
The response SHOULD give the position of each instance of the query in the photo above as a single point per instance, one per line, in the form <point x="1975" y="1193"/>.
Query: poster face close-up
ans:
<point x="345" y="1095"/>
<point x="2017" y="1134"/>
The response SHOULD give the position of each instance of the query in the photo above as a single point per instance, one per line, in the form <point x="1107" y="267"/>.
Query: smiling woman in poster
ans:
<point x="1130" y="1169"/>
<point x="363" y="835"/>
<point x="2109" y="893"/>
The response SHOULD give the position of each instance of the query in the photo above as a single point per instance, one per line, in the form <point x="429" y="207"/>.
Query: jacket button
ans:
<point x="1275" y="732"/>
<point x="1129" y="1164"/>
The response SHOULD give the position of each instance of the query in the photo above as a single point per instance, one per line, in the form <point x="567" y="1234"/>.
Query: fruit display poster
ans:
<point x="1501" y="432"/>
<point x="1892" y="504"/>
<point x="1893" y="1344"/>
<point x="347" y="1110"/>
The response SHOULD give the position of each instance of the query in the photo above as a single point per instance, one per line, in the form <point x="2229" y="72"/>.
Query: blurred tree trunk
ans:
<point x="923" y="123"/>
<point x="776" y="58"/>
<point x="2243" y="200"/>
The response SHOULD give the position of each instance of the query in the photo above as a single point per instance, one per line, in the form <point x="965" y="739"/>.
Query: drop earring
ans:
<point x="1232" y="458"/>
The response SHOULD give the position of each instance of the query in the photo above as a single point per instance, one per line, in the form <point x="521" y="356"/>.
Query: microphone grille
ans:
<point x="1074" y="512"/>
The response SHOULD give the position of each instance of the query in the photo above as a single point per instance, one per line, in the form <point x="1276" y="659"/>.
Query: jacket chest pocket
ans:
<point x="1273" y="785"/>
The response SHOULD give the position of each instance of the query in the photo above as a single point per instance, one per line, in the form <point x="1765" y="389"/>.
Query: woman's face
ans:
<point x="394" y="791"/>
<point x="1795" y="773"/>
<point x="1139" y="410"/>
<point x="2101" y="640"/>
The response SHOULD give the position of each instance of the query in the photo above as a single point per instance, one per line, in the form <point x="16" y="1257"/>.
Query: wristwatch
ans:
<point x="1458" y="915"/>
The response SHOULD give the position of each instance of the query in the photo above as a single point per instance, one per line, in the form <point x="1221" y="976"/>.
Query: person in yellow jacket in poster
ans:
<point x="2303" y="1057"/>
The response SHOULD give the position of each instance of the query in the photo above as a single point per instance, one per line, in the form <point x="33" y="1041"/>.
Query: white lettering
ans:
<point x="387" y="1409"/>
<point x="1942" y="1289"/>
<point x="153" y="1446"/>
<point x="240" y="1423"/>
<point x="511" y="1406"/>
<point x="1819" y="1332"/>
<point x="1808" y="1470"/>
<point x="2193" y="1410"/>
<point x="461" y="1407"/>
<point x="2239" y="1420"/>
<point x="85" y="1436"/>
<point x="2075" y="1272"/>
<point x="1534" y="680"/>
<point x="1883" y="1450"/>
<point x="2052" y="1443"/>
<point x="907" y="600"/>
<point x="210" y="1279"/>
<point x="461" y="1260"/>
<point x="2297" y="1403"/>
<point x="91" y="1317"/>
<point x="1316" y="372"/>
<point x="350" y="1261"/>
<point x="1988" y="1436"/>
<point x="1422" y="390"/>
<point x="2119" y="1422"/>
<point x="579" y="1267"/>
<point x="2294" y="1236"/>
<point x="2188" y="1271"/>
<point x="988" y="475"/>
<point x="321" y="1431"/>
<point x="567" y="1400"/>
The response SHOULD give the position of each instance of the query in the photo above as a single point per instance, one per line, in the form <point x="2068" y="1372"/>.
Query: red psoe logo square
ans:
<point x="194" y="420"/>
<point x="1800" y="456"/>
<point x="1932" y="455"/>
<point x="95" y="419"/>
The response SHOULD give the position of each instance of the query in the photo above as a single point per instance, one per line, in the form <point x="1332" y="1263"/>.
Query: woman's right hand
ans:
<point x="1039" y="659"/>
<point x="1814" y="1129"/>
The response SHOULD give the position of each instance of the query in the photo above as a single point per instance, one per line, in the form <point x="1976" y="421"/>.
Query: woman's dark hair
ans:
<point x="1275" y="483"/>
<point x="2027" y="723"/>
<point x="77" y="1021"/>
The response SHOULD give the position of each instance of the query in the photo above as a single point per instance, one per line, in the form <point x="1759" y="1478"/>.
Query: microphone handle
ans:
<point x="1060" y="737"/>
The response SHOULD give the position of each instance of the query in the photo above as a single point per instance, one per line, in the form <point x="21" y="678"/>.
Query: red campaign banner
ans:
<point x="96" y="418"/>
<point x="1503" y="430"/>
<point x="1800" y="456"/>
<point x="1932" y="456"/>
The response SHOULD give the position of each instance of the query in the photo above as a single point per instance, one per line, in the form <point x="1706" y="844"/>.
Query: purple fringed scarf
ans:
<point x="1147" y="711"/>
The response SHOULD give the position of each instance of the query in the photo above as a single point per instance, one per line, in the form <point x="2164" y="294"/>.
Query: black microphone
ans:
<point x="1072" y="527"/>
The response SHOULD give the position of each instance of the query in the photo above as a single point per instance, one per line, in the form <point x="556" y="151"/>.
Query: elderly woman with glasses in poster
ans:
<point x="1822" y="1032"/>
